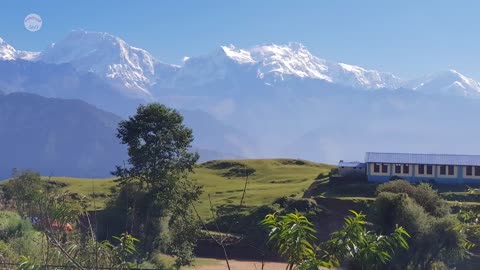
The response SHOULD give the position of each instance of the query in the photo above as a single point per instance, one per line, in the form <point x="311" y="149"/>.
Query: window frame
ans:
<point x="377" y="167"/>
<point x="475" y="170"/>
<point x="406" y="169"/>
<point x="397" y="166"/>
<point x="384" y="166"/>
<point x="451" y="170"/>
<point x="421" y="169"/>
<point x="467" y="169"/>
<point x="429" y="166"/>
<point x="442" y="170"/>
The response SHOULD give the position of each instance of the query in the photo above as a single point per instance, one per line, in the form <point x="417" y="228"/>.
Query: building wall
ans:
<point x="413" y="176"/>
<point x="351" y="171"/>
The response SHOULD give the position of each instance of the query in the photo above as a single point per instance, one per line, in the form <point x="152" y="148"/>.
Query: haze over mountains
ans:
<point x="265" y="101"/>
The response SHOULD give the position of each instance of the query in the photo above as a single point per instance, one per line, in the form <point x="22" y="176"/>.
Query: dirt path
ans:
<point x="239" y="265"/>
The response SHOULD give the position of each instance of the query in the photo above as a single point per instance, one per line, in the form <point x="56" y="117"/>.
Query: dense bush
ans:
<point x="437" y="237"/>
<point x="423" y="194"/>
<point x="12" y="225"/>
<point x="17" y="237"/>
<point x="239" y="172"/>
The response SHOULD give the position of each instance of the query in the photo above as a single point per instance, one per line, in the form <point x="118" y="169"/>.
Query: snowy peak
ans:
<point x="290" y="60"/>
<point x="276" y="63"/>
<point x="107" y="56"/>
<point x="238" y="55"/>
<point x="9" y="53"/>
<point x="446" y="82"/>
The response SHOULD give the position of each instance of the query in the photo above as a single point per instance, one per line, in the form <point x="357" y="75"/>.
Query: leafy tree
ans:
<point x="158" y="148"/>
<point x="159" y="162"/>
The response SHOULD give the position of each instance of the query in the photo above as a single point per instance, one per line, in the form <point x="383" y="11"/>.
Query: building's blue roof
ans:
<point x="434" y="159"/>
<point x="350" y="164"/>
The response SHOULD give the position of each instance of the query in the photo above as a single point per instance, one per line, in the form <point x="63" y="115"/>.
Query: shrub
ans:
<point x="395" y="177"/>
<point x="423" y="194"/>
<point x="239" y="172"/>
<point x="12" y="225"/>
<point x="397" y="186"/>
<point x="436" y="236"/>
<point x="6" y="253"/>
<point x="221" y="165"/>
<point x="31" y="243"/>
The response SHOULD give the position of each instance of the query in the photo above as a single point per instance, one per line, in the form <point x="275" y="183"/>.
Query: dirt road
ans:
<point x="240" y="265"/>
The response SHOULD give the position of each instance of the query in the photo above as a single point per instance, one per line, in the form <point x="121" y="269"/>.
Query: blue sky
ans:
<point x="405" y="37"/>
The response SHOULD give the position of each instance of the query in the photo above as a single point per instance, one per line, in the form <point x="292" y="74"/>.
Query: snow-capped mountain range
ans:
<point x="7" y="52"/>
<point x="265" y="101"/>
<point x="446" y="82"/>
<point x="279" y="62"/>
<point x="136" y="71"/>
<point x="108" y="56"/>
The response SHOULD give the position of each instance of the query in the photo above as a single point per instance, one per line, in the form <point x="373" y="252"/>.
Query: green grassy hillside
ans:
<point x="223" y="181"/>
<point x="269" y="179"/>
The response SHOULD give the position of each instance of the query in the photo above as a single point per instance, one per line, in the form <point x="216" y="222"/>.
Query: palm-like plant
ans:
<point x="123" y="251"/>
<point x="366" y="249"/>
<point x="292" y="236"/>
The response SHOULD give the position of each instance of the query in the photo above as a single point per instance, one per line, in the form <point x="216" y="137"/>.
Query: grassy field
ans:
<point x="223" y="181"/>
<point x="268" y="179"/>
<point x="272" y="179"/>
<point x="85" y="187"/>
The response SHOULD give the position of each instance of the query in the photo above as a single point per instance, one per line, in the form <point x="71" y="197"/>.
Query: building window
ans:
<point x="443" y="169"/>
<point x="384" y="168"/>
<point x="398" y="168"/>
<point x="451" y="169"/>
<point x="429" y="169"/>
<point x="406" y="169"/>
<point x="421" y="169"/>
<point x="376" y="167"/>
<point x="469" y="171"/>
<point x="477" y="170"/>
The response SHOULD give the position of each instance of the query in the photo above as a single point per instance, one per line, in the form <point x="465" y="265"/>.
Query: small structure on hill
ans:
<point x="351" y="169"/>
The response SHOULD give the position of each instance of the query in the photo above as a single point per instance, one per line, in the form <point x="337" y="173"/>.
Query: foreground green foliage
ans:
<point x="362" y="248"/>
<point x="293" y="237"/>
<point x="45" y="230"/>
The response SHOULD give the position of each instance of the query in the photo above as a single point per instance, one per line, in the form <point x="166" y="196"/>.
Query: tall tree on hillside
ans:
<point x="156" y="178"/>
